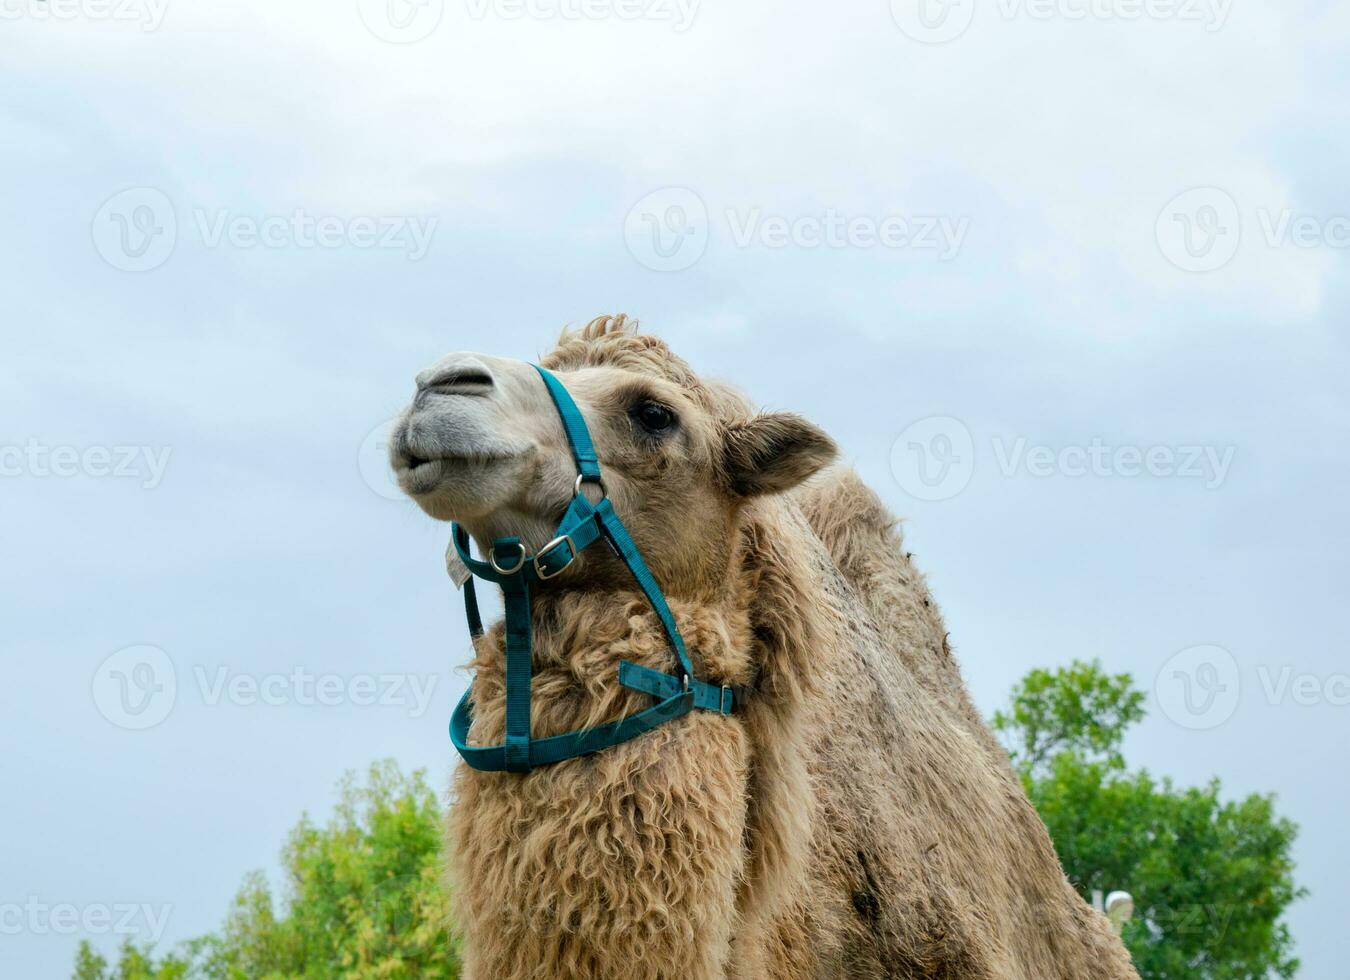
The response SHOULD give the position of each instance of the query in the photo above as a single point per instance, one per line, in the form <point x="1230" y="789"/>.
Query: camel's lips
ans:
<point x="420" y="475"/>
<point x="424" y="461"/>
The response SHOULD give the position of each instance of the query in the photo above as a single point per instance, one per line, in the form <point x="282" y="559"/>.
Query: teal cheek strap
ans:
<point x="515" y="572"/>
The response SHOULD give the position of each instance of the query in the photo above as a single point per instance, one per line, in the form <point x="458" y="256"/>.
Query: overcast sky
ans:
<point x="1070" y="291"/>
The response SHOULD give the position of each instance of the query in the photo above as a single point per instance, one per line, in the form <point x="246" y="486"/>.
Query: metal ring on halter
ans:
<point x="520" y="563"/>
<point x="581" y="478"/>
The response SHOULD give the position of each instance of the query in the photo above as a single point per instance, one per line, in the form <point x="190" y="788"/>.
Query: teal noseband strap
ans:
<point x="515" y="571"/>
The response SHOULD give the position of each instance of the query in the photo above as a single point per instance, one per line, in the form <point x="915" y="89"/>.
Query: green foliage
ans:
<point x="1079" y="709"/>
<point x="364" y="901"/>
<point x="1210" y="879"/>
<point x="133" y="963"/>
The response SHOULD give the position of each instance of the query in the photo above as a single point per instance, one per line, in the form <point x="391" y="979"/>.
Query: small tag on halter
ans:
<point x="458" y="571"/>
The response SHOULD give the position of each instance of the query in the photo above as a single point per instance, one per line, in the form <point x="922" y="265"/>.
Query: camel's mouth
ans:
<point x="453" y="465"/>
<point x="420" y="475"/>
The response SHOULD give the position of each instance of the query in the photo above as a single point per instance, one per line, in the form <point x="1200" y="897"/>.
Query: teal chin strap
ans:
<point x="515" y="571"/>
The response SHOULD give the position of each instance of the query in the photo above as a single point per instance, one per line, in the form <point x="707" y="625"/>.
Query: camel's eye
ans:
<point x="653" y="417"/>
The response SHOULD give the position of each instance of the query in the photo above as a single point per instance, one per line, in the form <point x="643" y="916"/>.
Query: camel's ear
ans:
<point x="773" y="452"/>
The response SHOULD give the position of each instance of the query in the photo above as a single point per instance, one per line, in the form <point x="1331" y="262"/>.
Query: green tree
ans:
<point x="1211" y="879"/>
<point x="363" y="901"/>
<point x="133" y="963"/>
<point x="1079" y="709"/>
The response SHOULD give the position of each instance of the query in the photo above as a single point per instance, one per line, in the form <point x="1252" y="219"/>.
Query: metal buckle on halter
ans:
<point x="560" y="539"/>
<point x="722" y="701"/>
<point x="520" y="562"/>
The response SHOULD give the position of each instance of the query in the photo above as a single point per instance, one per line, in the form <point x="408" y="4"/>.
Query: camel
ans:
<point x="852" y="818"/>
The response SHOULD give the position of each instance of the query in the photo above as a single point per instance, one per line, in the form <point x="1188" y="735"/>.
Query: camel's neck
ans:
<point x="753" y="625"/>
<point x="672" y="837"/>
<point x="593" y="867"/>
<point x="570" y="625"/>
<point x="580" y="638"/>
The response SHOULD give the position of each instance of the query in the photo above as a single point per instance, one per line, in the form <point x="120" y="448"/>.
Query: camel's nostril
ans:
<point x="470" y="378"/>
<point x="457" y="375"/>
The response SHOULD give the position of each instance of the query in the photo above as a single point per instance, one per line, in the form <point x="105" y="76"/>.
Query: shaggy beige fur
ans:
<point x="855" y="820"/>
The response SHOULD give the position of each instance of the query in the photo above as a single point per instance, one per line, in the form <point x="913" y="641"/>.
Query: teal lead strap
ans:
<point x="511" y="568"/>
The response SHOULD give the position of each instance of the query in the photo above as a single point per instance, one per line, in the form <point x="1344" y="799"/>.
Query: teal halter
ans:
<point x="510" y="567"/>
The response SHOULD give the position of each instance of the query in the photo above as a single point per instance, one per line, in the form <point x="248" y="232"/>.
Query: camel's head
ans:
<point x="482" y="444"/>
